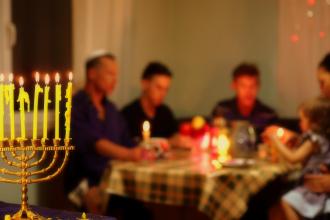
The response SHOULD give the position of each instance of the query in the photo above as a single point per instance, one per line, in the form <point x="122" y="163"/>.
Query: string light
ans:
<point x="322" y="34"/>
<point x="311" y="2"/>
<point x="310" y="13"/>
<point x="294" y="38"/>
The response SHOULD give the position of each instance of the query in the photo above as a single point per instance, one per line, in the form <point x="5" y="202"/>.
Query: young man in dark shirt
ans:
<point x="245" y="105"/>
<point x="155" y="83"/>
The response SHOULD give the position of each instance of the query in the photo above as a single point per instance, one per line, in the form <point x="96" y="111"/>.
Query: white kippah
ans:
<point x="96" y="54"/>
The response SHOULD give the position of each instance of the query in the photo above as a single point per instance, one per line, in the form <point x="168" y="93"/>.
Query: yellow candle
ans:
<point x="2" y="108"/>
<point x="37" y="90"/>
<point x="146" y="131"/>
<point x="223" y="148"/>
<point x="46" y="102"/>
<point x="23" y="98"/>
<point x="9" y="95"/>
<point x="68" y="105"/>
<point x="57" y="105"/>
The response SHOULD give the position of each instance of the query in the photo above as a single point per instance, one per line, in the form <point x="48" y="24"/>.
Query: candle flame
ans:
<point x="280" y="132"/>
<point x="21" y="81"/>
<point x="1" y="77"/>
<point x="70" y="76"/>
<point x="11" y="77"/>
<point x="37" y="76"/>
<point x="46" y="79"/>
<point x="223" y="148"/>
<point x="57" y="77"/>
<point x="146" y="126"/>
<point x="206" y="141"/>
<point x="223" y="142"/>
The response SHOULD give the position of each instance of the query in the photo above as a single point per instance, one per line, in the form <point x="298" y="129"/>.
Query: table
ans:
<point x="6" y="208"/>
<point x="192" y="180"/>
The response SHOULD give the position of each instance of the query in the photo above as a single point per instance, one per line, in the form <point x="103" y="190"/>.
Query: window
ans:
<point x="43" y="39"/>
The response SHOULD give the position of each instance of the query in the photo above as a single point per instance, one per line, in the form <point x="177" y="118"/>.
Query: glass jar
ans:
<point x="243" y="137"/>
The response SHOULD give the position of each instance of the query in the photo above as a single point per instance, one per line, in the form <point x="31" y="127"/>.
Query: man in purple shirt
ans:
<point x="99" y="131"/>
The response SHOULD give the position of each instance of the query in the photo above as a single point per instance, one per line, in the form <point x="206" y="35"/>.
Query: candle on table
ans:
<point x="23" y="98"/>
<point x="146" y="131"/>
<point x="2" y="107"/>
<point x="280" y="132"/>
<point x="46" y="102"/>
<point x="57" y="106"/>
<point x="68" y="105"/>
<point x="37" y="90"/>
<point x="10" y="88"/>
<point x="223" y="148"/>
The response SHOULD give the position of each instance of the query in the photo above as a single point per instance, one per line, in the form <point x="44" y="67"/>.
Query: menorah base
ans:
<point x="26" y="215"/>
<point x="23" y="157"/>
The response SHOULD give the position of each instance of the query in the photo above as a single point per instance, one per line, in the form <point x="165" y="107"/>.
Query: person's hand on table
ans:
<point x="136" y="153"/>
<point x="318" y="183"/>
<point x="141" y="153"/>
<point x="270" y="134"/>
<point x="283" y="134"/>
<point x="181" y="141"/>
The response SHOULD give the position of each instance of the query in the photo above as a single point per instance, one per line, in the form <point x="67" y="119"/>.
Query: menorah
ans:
<point x="32" y="160"/>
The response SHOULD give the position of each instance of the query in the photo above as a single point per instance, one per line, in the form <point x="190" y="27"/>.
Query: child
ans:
<point x="313" y="152"/>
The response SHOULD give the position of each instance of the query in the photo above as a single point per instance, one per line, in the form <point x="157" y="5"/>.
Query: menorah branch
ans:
<point x="8" y="172"/>
<point x="5" y="180"/>
<point x="48" y="177"/>
<point x="8" y="162"/>
<point x="44" y="170"/>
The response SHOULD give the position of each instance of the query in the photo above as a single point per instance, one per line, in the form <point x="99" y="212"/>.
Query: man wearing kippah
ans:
<point x="99" y="132"/>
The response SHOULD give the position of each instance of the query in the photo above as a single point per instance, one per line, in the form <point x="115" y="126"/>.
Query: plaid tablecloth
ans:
<point x="221" y="193"/>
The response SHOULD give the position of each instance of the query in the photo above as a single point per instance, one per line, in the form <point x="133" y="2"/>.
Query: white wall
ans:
<point x="202" y="42"/>
<point x="7" y="36"/>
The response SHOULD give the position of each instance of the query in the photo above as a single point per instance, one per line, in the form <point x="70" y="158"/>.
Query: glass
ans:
<point x="243" y="139"/>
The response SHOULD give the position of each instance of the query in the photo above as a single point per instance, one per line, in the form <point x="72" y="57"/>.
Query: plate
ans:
<point x="238" y="162"/>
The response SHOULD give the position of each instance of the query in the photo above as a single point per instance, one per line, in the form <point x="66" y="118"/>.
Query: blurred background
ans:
<point x="201" y="41"/>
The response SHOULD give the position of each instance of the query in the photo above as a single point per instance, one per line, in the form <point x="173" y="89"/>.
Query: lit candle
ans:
<point x="223" y="148"/>
<point x="68" y="105"/>
<point x="57" y="106"/>
<point x="37" y="90"/>
<point x="146" y="131"/>
<point x="23" y="98"/>
<point x="205" y="142"/>
<point x="2" y="110"/>
<point x="280" y="133"/>
<point x="10" y="88"/>
<point x="46" y="102"/>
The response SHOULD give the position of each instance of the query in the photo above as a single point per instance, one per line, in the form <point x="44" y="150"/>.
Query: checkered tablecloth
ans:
<point x="221" y="193"/>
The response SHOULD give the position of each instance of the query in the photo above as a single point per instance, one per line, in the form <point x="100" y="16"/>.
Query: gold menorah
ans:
<point x="22" y="156"/>
<point x="32" y="160"/>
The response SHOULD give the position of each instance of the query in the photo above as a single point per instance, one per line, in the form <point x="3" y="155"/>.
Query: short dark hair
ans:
<point x="325" y="62"/>
<point x="245" y="69"/>
<point x="95" y="61"/>
<point x="317" y="111"/>
<point x="156" y="68"/>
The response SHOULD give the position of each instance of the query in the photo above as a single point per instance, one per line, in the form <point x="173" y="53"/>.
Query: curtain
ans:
<point x="7" y="37"/>
<point x="304" y="38"/>
<point x="102" y="24"/>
